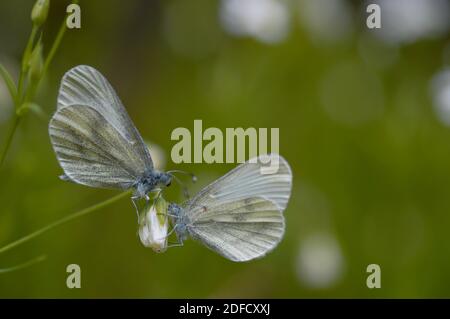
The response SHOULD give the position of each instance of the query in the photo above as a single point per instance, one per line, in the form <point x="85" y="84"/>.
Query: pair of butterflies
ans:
<point x="240" y="215"/>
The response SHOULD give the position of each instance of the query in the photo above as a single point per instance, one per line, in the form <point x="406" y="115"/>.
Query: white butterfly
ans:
<point x="94" y="139"/>
<point x="240" y="215"/>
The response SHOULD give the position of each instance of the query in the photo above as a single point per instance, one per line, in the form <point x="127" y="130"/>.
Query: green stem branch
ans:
<point x="65" y="220"/>
<point x="29" y="94"/>
<point x="50" y="56"/>
<point x="24" y="66"/>
<point x="24" y="265"/>
<point x="9" y="138"/>
<point x="18" y="96"/>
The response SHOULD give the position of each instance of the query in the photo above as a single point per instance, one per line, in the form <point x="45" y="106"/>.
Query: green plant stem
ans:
<point x="55" y="46"/>
<point x="62" y="30"/>
<point x="9" y="138"/>
<point x="24" y="265"/>
<point x="29" y="94"/>
<point x="24" y="67"/>
<point x="18" y="97"/>
<point x="65" y="220"/>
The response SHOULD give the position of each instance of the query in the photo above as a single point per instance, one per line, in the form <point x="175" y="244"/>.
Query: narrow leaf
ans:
<point x="9" y="82"/>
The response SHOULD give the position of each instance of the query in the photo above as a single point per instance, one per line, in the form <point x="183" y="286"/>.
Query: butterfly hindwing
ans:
<point x="239" y="230"/>
<point x="91" y="151"/>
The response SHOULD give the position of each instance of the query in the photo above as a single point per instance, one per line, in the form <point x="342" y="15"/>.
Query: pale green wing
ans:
<point x="84" y="85"/>
<point x="239" y="230"/>
<point x="91" y="151"/>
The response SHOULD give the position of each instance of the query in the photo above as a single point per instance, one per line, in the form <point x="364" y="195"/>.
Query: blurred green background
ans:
<point x="364" y="120"/>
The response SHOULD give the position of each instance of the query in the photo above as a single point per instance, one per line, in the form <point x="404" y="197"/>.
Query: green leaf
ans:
<point x="9" y="82"/>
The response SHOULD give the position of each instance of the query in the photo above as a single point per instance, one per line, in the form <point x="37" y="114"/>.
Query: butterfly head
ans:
<point x="164" y="179"/>
<point x="151" y="181"/>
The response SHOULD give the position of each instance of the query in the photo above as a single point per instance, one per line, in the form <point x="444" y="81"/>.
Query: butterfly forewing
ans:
<point x="91" y="151"/>
<point x="84" y="85"/>
<point x="246" y="181"/>
<point x="239" y="230"/>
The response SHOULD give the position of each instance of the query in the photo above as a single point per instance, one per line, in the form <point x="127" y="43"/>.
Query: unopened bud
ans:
<point x="36" y="63"/>
<point x="40" y="12"/>
<point x="154" y="224"/>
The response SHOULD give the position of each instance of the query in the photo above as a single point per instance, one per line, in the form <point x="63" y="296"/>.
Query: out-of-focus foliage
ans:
<point x="364" y="123"/>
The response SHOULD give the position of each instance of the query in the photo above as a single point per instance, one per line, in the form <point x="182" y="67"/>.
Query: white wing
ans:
<point x="84" y="85"/>
<point x="239" y="230"/>
<point x="245" y="181"/>
<point x="91" y="151"/>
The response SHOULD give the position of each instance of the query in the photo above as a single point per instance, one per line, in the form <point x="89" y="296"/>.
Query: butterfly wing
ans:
<point x="246" y="180"/>
<point x="91" y="151"/>
<point x="84" y="85"/>
<point x="239" y="230"/>
<point x="95" y="141"/>
<point x="240" y="215"/>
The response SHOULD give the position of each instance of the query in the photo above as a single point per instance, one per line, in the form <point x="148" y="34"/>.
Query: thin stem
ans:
<point x="18" y="97"/>
<point x="24" y="66"/>
<point x="50" y="56"/>
<point x="56" y="44"/>
<point x="64" y="220"/>
<point x="9" y="138"/>
<point x="32" y="90"/>
<point x="24" y="265"/>
<point x="59" y="36"/>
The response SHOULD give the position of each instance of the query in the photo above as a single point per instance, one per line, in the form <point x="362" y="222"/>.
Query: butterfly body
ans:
<point x="181" y="220"/>
<point x="149" y="181"/>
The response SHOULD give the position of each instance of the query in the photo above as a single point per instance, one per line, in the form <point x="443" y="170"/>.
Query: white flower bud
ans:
<point x="154" y="225"/>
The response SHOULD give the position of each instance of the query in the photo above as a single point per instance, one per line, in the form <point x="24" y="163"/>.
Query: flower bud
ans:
<point x="40" y="12"/>
<point x="36" y="63"/>
<point x="154" y="224"/>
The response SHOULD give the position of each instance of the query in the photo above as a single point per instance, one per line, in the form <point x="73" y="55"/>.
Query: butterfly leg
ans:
<point x="180" y="240"/>
<point x="180" y="243"/>
<point x="171" y="231"/>
<point x="134" y="200"/>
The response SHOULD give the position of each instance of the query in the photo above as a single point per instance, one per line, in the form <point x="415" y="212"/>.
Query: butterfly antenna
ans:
<point x="183" y="186"/>
<point x="192" y="175"/>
